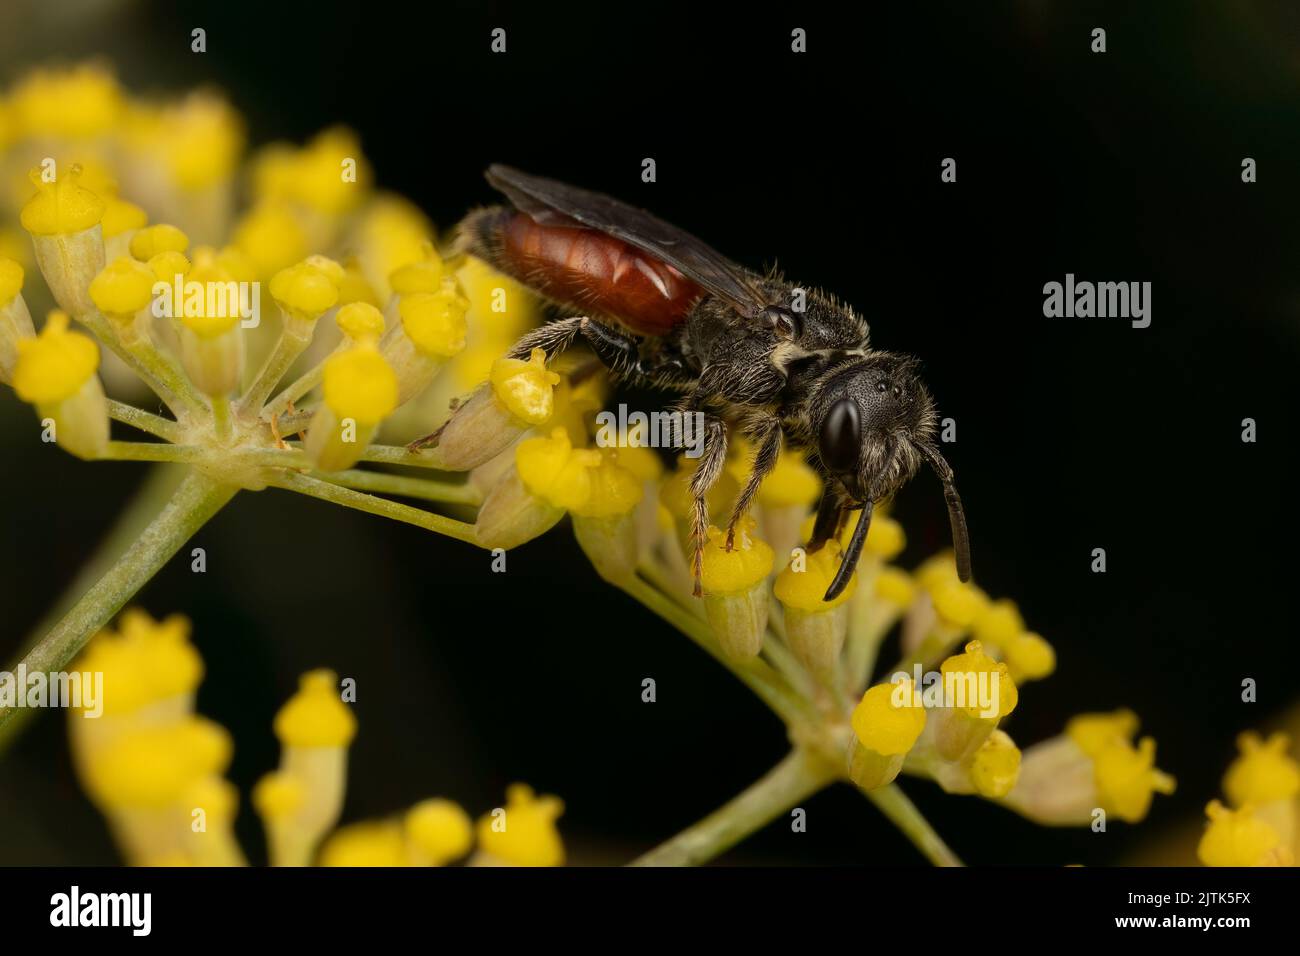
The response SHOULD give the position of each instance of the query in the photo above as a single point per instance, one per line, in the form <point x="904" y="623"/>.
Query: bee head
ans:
<point x="875" y="424"/>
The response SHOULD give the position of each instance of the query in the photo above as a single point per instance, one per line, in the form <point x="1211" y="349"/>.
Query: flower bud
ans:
<point x="815" y="628"/>
<point x="550" y="477"/>
<point x="522" y="833"/>
<point x="605" y="524"/>
<point x="518" y="396"/>
<point x="360" y="391"/>
<point x="56" y="373"/>
<point x="314" y="729"/>
<point x="431" y="330"/>
<point x="1240" y="838"/>
<point x="64" y="221"/>
<point x="437" y="832"/>
<point x="886" y="724"/>
<point x="735" y="590"/>
<point x="212" y="346"/>
<point x="122" y="292"/>
<point x="978" y="693"/>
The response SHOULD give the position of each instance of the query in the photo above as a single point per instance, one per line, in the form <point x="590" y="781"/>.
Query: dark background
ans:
<point x="1072" y="434"/>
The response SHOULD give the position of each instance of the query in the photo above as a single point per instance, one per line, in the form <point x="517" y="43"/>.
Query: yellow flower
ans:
<point x="974" y="668"/>
<point x="525" y="387"/>
<point x="1239" y="838"/>
<point x="61" y="207"/>
<point x="307" y="289"/>
<point x="887" y="723"/>
<point x="1263" y="772"/>
<point x="360" y="385"/>
<point x="1127" y="778"/>
<point x="123" y="288"/>
<point x="887" y="719"/>
<point x="553" y="470"/>
<point x="524" y="834"/>
<point x="996" y="766"/>
<point x="735" y="590"/>
<point x="804" y="590"/>
<point x="152" y="240"/>
<point x="438" y="831"/>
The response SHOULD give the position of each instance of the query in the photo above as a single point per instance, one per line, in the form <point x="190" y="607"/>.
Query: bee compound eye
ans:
<point x="881" y="387"/>
<point x="841" y="437"/>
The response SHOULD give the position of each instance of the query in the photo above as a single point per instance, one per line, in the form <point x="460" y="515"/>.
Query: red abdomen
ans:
<point x="587" y="269"/>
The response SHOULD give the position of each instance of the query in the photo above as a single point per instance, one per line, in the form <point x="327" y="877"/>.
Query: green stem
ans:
<point x="287" y="349"/>
<point x="221" y="417"/>
<point x="398" y="455"/>
<point x="405" y="486"/>
<point x="370" y="504"/>
<point x="158" y="486"/>
<point x="194" y="502"/>
<point x="893" y="803"/>
<point x="148" y="422"/>
<point x="795" y="778"/>
<point x="304" y="384"/>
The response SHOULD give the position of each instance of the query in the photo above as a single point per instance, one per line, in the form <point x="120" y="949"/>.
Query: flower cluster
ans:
<point x="130" y="211"/>
<point x="155" y="769"/>
<point x="1260" y="824"/>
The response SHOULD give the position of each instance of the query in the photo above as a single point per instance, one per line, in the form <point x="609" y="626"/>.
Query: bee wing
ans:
<point x="555" y="203"/>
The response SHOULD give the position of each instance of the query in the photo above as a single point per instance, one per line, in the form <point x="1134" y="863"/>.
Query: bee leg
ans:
<point x="767" y="435"/>
<point x="713" y="457"/>
<point x="552" y="338"/>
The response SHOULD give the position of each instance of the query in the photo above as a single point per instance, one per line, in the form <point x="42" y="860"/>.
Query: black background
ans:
<point x="1071" y="434"/>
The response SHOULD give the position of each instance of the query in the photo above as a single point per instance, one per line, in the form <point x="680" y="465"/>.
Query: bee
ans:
<point x="754" y="352"/>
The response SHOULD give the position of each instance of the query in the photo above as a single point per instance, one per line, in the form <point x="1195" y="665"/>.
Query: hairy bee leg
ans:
<point x="767" y="434"/>
<point x="706" y="473"/>
<point x="553" y="338"/>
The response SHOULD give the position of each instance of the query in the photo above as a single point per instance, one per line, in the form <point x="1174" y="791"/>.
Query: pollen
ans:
<point x="525" y="387"/>
<point x="887" y="720"/>
<point x="316" y="716"/>
<point x="63" y="207"/>
<point x="123" y="287"/>
<point x="806" y="589"/>
<point x="359" y="384"/>
<point x="435" y="321"/>
<point x="1263" y="772"/>
<point x="54" y="365"/>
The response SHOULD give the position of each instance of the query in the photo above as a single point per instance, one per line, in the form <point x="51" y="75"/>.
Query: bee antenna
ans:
<point x="956" y="516"/>
<point x="851" y="556"/>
